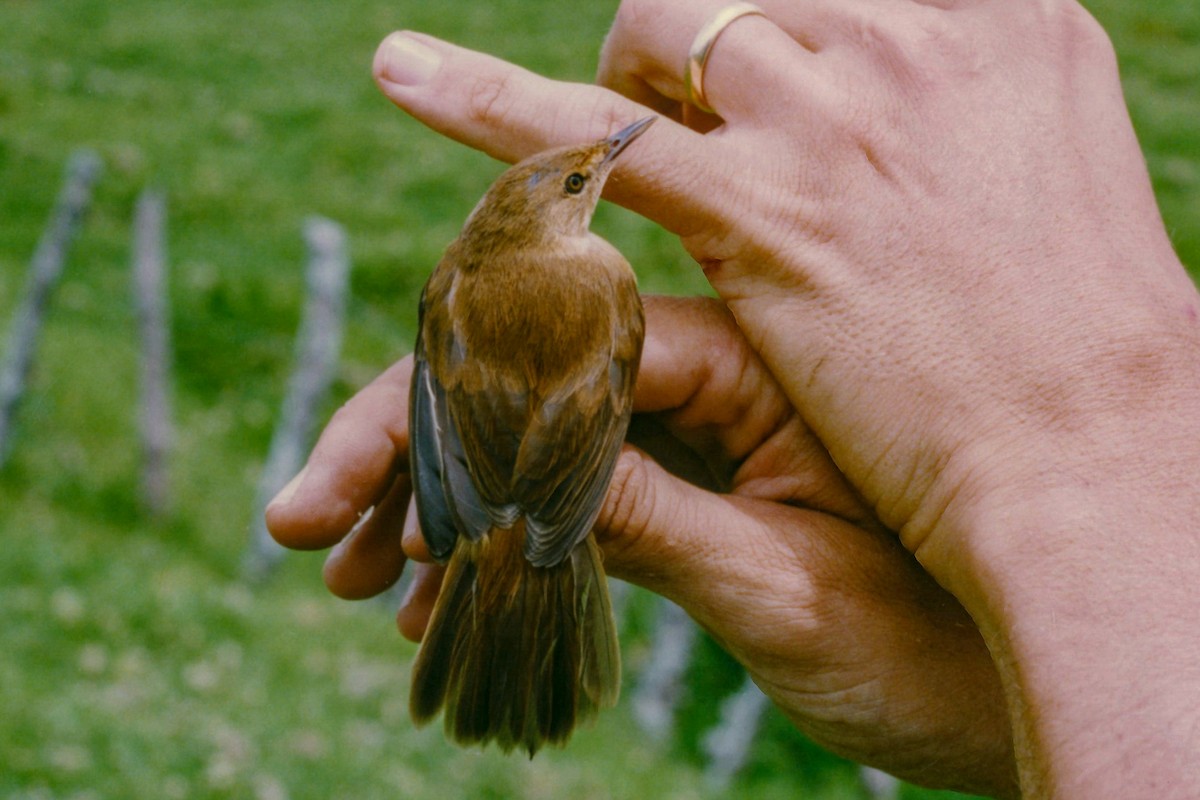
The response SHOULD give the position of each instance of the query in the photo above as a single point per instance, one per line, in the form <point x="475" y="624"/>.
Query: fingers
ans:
<point x="698" y="374"/>
<point x="417" y="605"/>
<point x="821" y="610"/>
<point x="829" y="617"/>
<point x="698" y="548"/>
<point x="703" y="550"/>
<point x="712" y="552"/>
<point x="699" y="378"/>
<point x="411" y="540"/>
<point x="789" y="65"/>
<point x="646" y="53"/>
<point x="713" y="394"/>
<point x="369" y="560"/>
<point x="511" y="113"/>
<point x="351" y="468"/>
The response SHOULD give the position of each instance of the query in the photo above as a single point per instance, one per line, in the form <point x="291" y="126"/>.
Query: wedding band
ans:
<point x="702" y="45"/>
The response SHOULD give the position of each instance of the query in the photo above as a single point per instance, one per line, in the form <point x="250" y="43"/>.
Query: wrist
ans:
<point x="1086" y="594"/>
<point x="1079" y="560"/>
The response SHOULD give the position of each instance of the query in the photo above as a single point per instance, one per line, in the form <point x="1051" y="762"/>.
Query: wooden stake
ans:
<point x="150" y="299"/>
<point x="728" y="743"/>
<point x="83" y="168"/>
<point x="660" y="686"/>
<point x="318" y="345"/>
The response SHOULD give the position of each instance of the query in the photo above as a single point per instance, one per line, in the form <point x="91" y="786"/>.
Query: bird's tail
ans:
<point x="514" y="653"/>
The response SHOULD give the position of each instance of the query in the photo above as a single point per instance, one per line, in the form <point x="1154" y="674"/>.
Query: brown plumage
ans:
<point x="530" y="336"/>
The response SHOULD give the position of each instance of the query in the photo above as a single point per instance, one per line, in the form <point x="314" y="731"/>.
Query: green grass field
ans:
<point x="134" y="663"/>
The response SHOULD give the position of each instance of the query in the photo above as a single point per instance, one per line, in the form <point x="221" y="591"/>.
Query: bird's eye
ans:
<point x="574" y="183"/>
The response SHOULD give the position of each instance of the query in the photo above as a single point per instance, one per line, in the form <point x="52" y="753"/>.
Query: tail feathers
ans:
<point x="600" y="674"/>
<point x="517" y="654"/>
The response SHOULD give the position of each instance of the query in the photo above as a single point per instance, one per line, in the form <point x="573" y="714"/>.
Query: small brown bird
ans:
<point x="530" y="336"/>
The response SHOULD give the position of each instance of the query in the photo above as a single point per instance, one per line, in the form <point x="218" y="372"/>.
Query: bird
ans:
<point x="530" y="334"/>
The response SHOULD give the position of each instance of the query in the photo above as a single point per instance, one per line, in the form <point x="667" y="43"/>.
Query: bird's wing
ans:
<point x="447" y="501"/>
<point x="485" y="450"/>
<point x="567" y="456"/>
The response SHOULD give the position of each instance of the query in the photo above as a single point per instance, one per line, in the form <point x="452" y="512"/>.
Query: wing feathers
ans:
<point x="493" y="440"/>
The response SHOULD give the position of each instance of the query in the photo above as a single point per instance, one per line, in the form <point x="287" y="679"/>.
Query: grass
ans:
<point x="134" y="662"/>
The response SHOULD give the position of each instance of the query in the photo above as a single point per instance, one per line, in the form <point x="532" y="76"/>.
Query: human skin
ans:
<point x="933" y="227"/>
<point x="784" y="565"/>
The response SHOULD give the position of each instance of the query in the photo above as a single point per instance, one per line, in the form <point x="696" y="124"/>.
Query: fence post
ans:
<point x="661" y="685"/>
<point x="150" y="299"/>
<point x="879" y="785"/>
<point x="318" y="345"/>
<point x="728" y="743"/>
<point x="83" y="168"/>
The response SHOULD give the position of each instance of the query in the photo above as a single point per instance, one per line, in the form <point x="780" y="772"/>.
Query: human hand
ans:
<point x="895" y="207"/>
<point x="934" y="224"/>
<point x="785" y="567"/>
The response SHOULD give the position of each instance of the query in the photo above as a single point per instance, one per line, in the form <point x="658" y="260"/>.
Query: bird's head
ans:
<point x="554" y="192"/>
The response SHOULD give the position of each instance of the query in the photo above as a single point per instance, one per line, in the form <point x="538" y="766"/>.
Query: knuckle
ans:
<point x="606" y="115"/>
<point x="1084" y="31"/>
<point x="929" y="49"/>
<point x="1065" y="40"/>
<point x="347" y="414"/>
<point x="1065" y="27"/>
<point x="628" y="509"/>
<point x="489" y="100"/>
<point x="638" y="27"/>
<point x="633" y="15"/>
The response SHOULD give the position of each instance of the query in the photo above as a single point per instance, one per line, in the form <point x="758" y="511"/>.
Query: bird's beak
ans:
<point x="622" y="138"/>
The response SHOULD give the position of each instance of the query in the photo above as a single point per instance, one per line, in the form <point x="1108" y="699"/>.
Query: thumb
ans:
<point x="708" y="552"/>
<point x="772" y="582"/>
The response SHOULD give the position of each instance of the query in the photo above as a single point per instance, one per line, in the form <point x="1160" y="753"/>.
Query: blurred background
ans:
<point x="135" y="660"/>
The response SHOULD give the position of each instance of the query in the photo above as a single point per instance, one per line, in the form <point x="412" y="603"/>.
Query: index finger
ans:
<point x="510" y="113"/>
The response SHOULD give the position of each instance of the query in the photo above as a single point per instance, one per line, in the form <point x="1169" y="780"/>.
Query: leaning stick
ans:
<point x="661" y="685"/>
<point x="729" y="742"/>
<point x="318" y="345"/>
<point x="150" y="299"/>
<point x="44" y="271"/>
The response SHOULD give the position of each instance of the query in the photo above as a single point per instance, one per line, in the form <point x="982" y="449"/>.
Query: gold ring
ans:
<point x="702" y="45"/>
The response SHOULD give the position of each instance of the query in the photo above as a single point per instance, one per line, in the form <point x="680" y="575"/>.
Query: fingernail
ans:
<point x="402" y="59"/>
<point x="287" y="492"/>
<point x="410" y="591"/>
<point x="341" y="547"/>
<point x="410" y="533"/>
